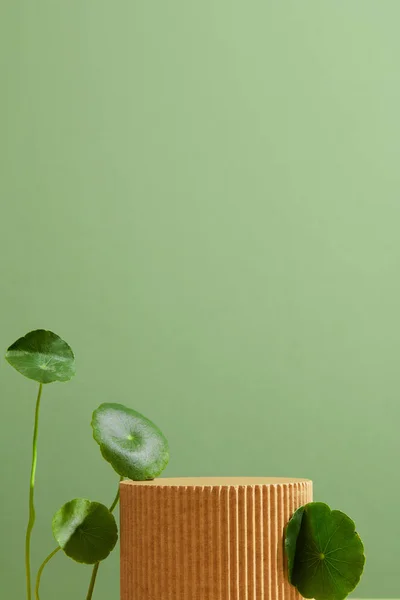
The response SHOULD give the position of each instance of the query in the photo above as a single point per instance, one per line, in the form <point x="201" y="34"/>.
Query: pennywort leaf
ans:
<point x="42" y="356"/>
<point x="132" y="444"/>
<point x="85" y="530"/>
<point x="325" y="554"/>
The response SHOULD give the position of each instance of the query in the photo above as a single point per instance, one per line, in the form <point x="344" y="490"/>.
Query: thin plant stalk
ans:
<point x="115" y="502"/>
<point x="92" y="581"/>
<point x="32" y="514"/>
<point x="97" y="565"/>
<point x="42" y="566"/>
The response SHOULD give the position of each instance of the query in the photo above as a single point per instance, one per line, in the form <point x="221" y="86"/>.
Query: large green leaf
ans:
<point x="42" y="356"/>
<point x="133" y="445"/>
<point x="325" y="554"/>
<point x="86" y="531"/>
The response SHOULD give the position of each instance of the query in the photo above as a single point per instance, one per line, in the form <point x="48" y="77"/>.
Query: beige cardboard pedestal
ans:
<point x="207" y="538"/>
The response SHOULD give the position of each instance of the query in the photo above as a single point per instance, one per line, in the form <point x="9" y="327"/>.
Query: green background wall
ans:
<point x="203" y="199"/>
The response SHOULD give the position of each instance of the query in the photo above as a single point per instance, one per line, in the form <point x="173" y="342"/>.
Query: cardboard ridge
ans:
<point x="215" y="481"/>
<point x="207" y="538"/>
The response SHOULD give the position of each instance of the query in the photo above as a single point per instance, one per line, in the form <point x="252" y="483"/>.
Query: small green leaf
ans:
<point x="325" y="554"/>
<point x="42" y="356"/>
<point x="86" y="531"/>
<point x="132" y="444"/>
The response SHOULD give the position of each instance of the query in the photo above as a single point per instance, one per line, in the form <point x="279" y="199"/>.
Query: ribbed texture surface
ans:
<point x="213" y="542"/>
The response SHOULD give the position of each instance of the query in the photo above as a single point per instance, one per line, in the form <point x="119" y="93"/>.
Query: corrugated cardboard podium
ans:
<point x="207" y="538"/>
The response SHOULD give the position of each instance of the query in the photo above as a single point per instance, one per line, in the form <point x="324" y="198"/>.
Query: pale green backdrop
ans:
<point x="203" y="199"/>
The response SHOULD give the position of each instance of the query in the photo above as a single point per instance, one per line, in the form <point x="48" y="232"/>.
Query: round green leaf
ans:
<point x="325" y="554"/>
<point x="42" y="356"/>
<point x="86" y="531"/>
<point x="132" y="444"/>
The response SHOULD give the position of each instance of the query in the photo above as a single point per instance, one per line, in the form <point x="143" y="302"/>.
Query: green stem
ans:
<point x="115" y="502"/>
<point x="92" y="581"/>
<point x="96" y="566"/>
<point x="42" y="566"/>
<point x="32" y="514"/>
